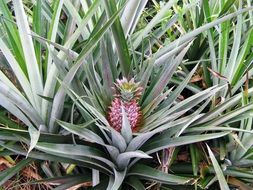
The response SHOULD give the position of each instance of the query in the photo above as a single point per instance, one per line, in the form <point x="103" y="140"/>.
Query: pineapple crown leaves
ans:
<point x="128" y="90"/>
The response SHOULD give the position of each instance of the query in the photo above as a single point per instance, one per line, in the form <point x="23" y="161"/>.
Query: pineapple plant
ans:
<point x="127" y="96"/>
<point x="108" y="138"/>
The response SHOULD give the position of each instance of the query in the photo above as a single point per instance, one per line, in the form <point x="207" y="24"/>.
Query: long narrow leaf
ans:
<point x="29" y="52"/>
<point x="218" y="171"/>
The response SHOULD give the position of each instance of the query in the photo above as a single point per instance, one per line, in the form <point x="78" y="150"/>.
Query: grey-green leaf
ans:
<point x="218" y="171"/>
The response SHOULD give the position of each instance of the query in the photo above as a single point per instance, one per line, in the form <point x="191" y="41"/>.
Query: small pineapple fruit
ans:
<point x="127" y="95"/>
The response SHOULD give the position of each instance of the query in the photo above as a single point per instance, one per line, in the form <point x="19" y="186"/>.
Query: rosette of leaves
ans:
<point x="87" y="49"/>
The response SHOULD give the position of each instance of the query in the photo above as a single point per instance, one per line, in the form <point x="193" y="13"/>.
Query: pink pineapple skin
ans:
<point x="132" y="110"/>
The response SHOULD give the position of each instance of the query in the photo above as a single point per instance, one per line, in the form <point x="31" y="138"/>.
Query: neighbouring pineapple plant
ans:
<point x="127" y="96"/>
<point x="106" y="99"/>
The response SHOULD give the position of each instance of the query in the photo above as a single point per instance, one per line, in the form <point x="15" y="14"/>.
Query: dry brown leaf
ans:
<point x="86" y="184"/>
<point x="239" y="184"/>
<point x="4" y="164"/>
<point x="196" y="78"/>
<point x="29" y="173"/>
<point x="218" y="75"/>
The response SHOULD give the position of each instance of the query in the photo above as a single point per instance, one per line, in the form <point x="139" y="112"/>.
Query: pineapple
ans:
<point x="127" y="95"/>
